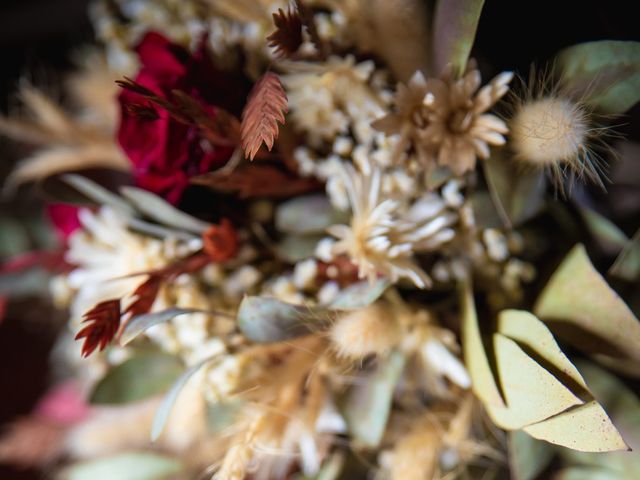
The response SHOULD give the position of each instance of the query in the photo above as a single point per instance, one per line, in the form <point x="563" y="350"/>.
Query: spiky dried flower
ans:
<point x="384" y="234"/>
<point x="287" y="37"/>
<point x="103" y="323"/>
<point x="445" y="118"/>
<point x="265" y="108"/>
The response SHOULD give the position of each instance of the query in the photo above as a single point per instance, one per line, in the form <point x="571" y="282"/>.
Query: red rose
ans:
<point x="64" y="218"/>
<point x="165" y="152"/>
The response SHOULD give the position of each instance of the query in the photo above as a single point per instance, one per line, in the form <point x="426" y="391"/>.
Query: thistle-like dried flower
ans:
<point x="445" y="119"/>
<point x="384" y="233"/>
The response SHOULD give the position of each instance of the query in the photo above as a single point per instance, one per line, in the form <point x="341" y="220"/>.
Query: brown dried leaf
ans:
<point x="104" y="321"/>
<point x="254" y="181"/>
<point x="265" y="108"/>
<point x="287" y="37"/>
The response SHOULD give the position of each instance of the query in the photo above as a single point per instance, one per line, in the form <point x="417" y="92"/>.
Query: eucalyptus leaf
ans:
<point x="517" y="195"/>
<point x="610" y="238"/>
<point x="605" y="74"/>
<point x="137" y="378"/>
<point x="97" y="193"/>
<point x="124" y="466"/>
<point x="368" y="403"/>
<point x="14" y="238"/>
<point x="31" y="282"/>
<point x="223" y="414"/>
<point x="293" y="248"/>
<point x="360" y="294"/>
<point x="164" y="410"/>
<point x="528" y="457"/>
<point x="265" y="319"/>
<point x="627" y="265"/>
<point x="310" y="214"/>
<point x="455" y="24"/>
<point x="579" y="305"/>
<point x="138" y="324"/>
<point x="161" y="211"/>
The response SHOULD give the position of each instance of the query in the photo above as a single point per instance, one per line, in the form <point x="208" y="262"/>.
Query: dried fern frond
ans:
<point x="266" y="106"/>
<point x="287" y="37"/>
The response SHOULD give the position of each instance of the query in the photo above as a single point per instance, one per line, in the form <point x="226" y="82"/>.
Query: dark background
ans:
<point x="36" y="37"/>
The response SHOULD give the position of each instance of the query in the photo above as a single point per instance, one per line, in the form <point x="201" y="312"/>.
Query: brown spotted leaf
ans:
<point x="265" y="108"/>
<point x="287" y="37"/>
<point x="103" y="322"/>
<point x="257" y="181"/>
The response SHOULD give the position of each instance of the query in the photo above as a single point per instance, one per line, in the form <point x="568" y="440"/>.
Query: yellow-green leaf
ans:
<point x="627" y="265"/>
<point x="527" y="456"/>
<point x="579" y="305"/>
<point x="531" y="333"/>
<point x="586" y="428"/>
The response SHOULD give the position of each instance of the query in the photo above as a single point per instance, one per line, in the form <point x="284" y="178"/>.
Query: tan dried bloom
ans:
<point x="384" y="232"/>
<point x="445" y="119"/>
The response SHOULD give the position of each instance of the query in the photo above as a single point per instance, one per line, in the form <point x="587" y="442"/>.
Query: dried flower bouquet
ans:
<point x="306" y="240"/>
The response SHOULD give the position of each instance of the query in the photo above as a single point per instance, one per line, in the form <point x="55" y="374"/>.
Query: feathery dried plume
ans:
<point x="551" y="130"/>
<point x="445" y="119"/>
<point x="266" y="106"/>
<point x="287" y="37"/>
<point x="144" y="295"/>
<point x="103" y="323"/>
<point x="383" y="234"/>
<point x="371" y="330"/>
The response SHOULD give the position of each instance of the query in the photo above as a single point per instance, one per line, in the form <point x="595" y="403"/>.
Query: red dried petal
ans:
<point x="145" y="294"/>
<point x="103" y="322"/>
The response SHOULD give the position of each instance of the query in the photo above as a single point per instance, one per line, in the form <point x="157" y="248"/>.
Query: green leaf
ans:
<point x="579" y="306"/>
<point x="265" y="319"/>
<point x="14" y="238"/>
<point x="223" y="414"/>
<point x="137" y="378"/>
<point x="605" y="73"/>
<point x="140" y="323"/>
<point x="455" y="24"/>
<point x="97" y="193"/>
<point x="360" y="295"/>
<point x="517" y="195"/>
<point x="293" y="248"/>
<point x="124" y="466"/>
<point x="528" y="457"/>
<point x="627" y="265"/>
<point x="610" y="238"/>
<point x="162" y="212"/>
<point x="368" y="403"/>
<point x="164" y="410"/>
<point x="310" y="214"/>
<point x="31" y="282"/>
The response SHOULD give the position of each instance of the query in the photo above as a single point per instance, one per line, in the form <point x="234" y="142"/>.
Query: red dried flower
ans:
<point x="221" y="241"/>
<point x="103" y="323"/>
<point x="165" y="151"/>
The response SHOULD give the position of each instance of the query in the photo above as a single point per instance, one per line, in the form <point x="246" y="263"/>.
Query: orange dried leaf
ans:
<point x="103" y="323"/>
<point x="265" y="108"/>
<point x="287" y="37"/>
<point x="221" y="241"/>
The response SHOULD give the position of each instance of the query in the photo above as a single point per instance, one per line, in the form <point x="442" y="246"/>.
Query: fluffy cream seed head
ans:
<point x="371" y="330"/>
<point x="549" y="130"/>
